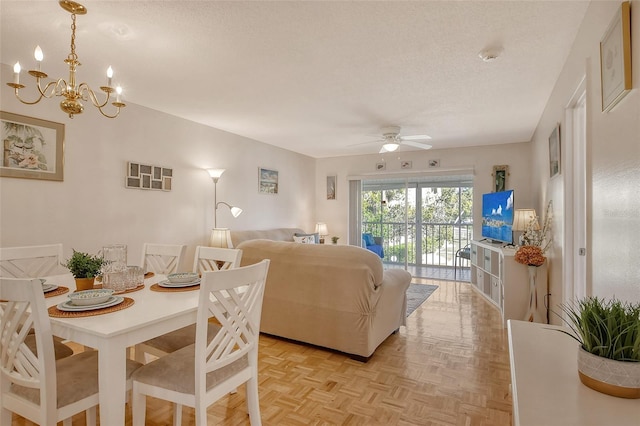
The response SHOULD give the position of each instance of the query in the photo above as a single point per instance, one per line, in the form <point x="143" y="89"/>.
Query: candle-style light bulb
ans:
<point x="118" y="93"/>
<point x="109" y="76"/>
<point x="16" y="73"/>
<point x="39" y="56"/>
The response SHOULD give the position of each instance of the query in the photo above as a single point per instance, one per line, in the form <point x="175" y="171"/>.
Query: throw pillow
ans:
<point x="307" y="239"/>
<point x="368" y="239"/>
<point x="316" y="237"/>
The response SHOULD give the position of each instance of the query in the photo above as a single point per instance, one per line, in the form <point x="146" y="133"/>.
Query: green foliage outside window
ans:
<point x="443" y="210"/>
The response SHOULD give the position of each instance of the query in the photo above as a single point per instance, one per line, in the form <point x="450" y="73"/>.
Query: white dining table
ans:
<point x="152" y="314"/>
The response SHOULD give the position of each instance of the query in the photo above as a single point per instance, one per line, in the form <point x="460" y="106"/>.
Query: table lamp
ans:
<point x="322" y="231"/>
<point x="522" y="220"/>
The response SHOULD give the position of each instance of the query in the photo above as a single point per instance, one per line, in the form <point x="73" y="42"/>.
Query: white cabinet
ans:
<point x="504" y="282"/>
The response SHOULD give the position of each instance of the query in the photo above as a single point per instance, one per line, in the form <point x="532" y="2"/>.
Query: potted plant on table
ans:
<point x="334" y="240"/>
<point x="609" y="337"/>
<point x="85" y="268"/>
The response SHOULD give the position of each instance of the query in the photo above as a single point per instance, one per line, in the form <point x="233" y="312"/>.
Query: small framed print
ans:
<point x="267" y="181"/>
<point x="500" y="174"/>
<point x="381" y="166"/>
<point x="554" y="152"/>
<point x="615" y="59"/>
<point x="406" y="164"/>
<point x="433" y="163"/>
<point x="331" y="187"/>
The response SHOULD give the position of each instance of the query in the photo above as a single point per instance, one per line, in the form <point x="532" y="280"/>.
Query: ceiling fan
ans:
<point x="392" y="140"/>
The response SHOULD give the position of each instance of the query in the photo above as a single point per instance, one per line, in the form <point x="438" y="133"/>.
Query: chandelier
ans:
<point x="72" y="92"/>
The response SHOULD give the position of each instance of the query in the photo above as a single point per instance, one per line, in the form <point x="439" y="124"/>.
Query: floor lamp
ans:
<point x="220" y="237"/>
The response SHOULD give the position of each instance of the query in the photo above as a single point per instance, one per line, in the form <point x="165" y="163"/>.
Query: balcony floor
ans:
<point x="435" y="272"/>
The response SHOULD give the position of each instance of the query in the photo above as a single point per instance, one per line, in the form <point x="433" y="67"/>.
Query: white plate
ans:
<point x="70" y="307"/>
<point x="49" y="287"/>
<point x="169" y="284"/>
<point x="182" y="277"/>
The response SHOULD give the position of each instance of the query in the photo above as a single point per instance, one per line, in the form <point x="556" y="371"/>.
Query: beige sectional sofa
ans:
<point x="334" y="296"/>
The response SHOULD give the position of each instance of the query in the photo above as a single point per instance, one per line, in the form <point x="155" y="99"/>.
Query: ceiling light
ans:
<point x="72" y="92"/>
<point x="390" y="146"/>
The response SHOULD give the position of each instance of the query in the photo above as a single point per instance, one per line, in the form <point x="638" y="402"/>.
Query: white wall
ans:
<point x="92" y="207"/>
<point x="479" y="159"/>
<point x="613" y="165"/>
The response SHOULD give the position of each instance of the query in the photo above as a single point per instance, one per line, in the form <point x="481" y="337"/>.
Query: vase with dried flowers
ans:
<point x="536" y="241"/>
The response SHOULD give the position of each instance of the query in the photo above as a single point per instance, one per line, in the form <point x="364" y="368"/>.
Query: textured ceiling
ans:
<point x="316" y="77"/>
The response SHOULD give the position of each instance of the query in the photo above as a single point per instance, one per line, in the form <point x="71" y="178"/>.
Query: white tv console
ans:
<point x="505" y="282"/>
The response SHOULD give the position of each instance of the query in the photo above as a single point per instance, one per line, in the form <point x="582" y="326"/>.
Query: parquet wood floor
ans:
<point x="448" y="366"/>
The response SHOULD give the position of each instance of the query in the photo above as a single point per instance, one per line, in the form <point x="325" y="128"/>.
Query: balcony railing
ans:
<point x="435" y="244"/>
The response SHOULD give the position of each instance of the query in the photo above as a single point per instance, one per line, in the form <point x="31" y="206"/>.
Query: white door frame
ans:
<point x="575" y="284"/>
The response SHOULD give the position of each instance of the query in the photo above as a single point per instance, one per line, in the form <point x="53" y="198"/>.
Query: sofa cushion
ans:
<point x="316" y="236"/>
<point x="306" y="239"/>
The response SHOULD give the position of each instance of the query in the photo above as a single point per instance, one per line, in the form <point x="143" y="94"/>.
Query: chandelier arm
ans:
<point x="84" y="88"/>
<point x="107" y="115"/>
<point x="42" y="92"/>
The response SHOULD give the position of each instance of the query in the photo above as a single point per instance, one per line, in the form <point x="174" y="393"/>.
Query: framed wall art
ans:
<point x="615" y="59"/>
<point x="145" y="176"/>
<point x="500" y="174"/>
<point x="406" y="164"/>
<point x="381" y="166"/>
<point x="433" y="164"/>
<point x="554" y="152"/>
<point x="267" y="181"/>
<point x="31" y="148"/>
<point x="331" y="187"/>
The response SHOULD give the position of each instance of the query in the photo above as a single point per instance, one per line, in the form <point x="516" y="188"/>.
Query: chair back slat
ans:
<point x="162" y="258"/>
<point x="234" y="298"/>
<point x="24" y="310"/>
<point x="31" y="261"/>
<point x="215" y="259"/>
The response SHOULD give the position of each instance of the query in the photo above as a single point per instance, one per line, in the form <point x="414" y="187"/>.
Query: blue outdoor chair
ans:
<point x="373" y="243"/>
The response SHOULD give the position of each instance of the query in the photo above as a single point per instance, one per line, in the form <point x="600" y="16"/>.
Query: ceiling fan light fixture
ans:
<point x="390" y="146"/>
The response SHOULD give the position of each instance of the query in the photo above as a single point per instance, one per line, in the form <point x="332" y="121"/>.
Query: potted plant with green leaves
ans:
<point x="334" y="240"/>
<point x="609" y="337"/>
<point x="85" y="268"/>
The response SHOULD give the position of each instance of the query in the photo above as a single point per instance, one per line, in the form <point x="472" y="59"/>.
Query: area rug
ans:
<point x="416" y="294"/>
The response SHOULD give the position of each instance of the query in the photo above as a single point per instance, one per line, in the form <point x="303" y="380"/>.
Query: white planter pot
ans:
<point x="617" y="378"/>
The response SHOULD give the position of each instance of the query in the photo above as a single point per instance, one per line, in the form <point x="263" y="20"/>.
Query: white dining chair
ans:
<point x="34" y="262"/>
<point x="206" y="259"/>
<point x="200" y="374"/>
<point x="35" y="385"/>
<point x="31" y="261"/>
<point x="162" y="258"/>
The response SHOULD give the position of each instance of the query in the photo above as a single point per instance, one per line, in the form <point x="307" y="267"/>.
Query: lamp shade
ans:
<point x="321" y="228"/>
<point x="236" y="211"/>
<point x="215" y="173"/>
<point x="220" y="237"/>
<point x="522" y="218"/>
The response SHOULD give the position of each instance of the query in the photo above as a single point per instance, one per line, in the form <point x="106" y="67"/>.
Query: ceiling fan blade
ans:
<point x="417" y="144"/>
<point x="416" y="138"/>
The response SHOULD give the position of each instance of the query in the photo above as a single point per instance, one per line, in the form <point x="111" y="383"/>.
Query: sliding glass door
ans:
<point x="422" y="221"/>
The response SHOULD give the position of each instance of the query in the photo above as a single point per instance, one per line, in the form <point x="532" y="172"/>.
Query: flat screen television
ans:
<point x="497" y="216"/>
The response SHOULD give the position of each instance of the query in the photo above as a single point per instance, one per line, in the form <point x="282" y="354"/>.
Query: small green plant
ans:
<point x="334" y="240"/>
<point x="84" y="265"/>
<point x="609" y="329"/>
